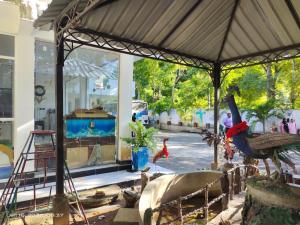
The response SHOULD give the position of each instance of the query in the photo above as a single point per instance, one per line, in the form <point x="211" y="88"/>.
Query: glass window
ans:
<point x="6" y="105"/>
<point x="6" y="88"/>
<point x="90" y="102"/>
<point x="7" y="45"/>
<point x="6" y="149"/>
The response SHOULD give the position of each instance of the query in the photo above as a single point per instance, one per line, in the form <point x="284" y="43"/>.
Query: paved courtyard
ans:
<point x="189" y="153"/>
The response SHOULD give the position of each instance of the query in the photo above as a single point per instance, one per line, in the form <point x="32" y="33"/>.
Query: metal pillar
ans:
<point x="60" y="202"/>
<point x="216" y="74"/>
<point x="59" y="117"/>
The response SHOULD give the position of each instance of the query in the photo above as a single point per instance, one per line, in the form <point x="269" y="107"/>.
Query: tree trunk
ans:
<point x="264" y="126"/>
<point x="138" y="93"/>
<point x="172" y="96"/>
<point x="270" y="82"/>
<point x="177" y="78"/>
<point x="269" y="77"/>
<point x="292" y="92"/>
<point x="208" y="99"/>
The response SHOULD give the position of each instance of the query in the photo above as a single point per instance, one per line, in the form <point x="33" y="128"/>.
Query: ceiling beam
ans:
<point x="262" y="53"/>
<point x="127" y="46"/>
<point x="180" y="22"/>
<point x="293" y="12"/>
<point x="236" y="3"/>
<point x="259" y="62"/>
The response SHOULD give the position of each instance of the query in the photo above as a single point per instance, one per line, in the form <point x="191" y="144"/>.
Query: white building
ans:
<point x="93" y="78"/>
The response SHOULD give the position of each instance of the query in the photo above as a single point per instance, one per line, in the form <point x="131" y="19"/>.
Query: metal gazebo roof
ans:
<point x="216" y="35"/>
<point x="192" y="32"/>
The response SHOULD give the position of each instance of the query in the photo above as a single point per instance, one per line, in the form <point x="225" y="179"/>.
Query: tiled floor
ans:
<point x="89" y="182"/>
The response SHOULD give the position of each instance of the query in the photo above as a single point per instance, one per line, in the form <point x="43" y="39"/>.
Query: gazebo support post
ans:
<point x="216" y="77"/>
<point x="60" y="202"/>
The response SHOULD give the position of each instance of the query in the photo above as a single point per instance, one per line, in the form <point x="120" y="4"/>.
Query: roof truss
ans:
<point x="272" y="55"/>
<point x="68" y="27"/>
<point x="110" y="42"/>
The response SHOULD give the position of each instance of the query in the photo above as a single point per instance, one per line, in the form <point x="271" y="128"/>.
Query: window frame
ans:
<point x="13" y="58"/>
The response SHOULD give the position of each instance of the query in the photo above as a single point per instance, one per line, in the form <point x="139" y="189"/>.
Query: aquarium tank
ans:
<point x="85" y="128"/>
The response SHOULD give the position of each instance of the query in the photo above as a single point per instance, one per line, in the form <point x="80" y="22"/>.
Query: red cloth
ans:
<point x="165" y="150"/>
<point x="236" y="129"/>
<point x="163" y="153"/>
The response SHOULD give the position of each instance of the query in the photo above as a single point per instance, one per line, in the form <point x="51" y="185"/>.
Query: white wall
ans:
<point x="125" y="101"/>
<point x="9" y="18"/>
<point x="24" y="82"/>
<point x="208" y="117"/>
<point x="23" y="86"/>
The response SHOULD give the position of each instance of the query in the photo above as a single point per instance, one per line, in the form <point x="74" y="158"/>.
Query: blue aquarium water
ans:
<point x="81" y="128"/>
<point x="5" y="171"/>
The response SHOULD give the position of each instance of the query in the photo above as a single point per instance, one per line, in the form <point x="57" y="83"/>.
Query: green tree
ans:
<point x="164" y="86"/>
<point x="252" y="84"/>
<point x="262" y="112"/>
<point x="288" y="84"/>
<point x="192" y="94"/>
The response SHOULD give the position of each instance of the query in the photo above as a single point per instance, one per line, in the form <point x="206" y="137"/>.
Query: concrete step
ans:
<point x="127" y="216"/>
<point x="89" y="182"/>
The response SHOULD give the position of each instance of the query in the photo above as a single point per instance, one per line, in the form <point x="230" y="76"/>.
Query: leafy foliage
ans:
<point x="262" y="112"/>
<point x="143" y="137"/>
<point x="165" y="86"/>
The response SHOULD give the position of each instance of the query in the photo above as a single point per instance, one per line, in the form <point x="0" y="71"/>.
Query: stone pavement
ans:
<point x="189" y="153"/>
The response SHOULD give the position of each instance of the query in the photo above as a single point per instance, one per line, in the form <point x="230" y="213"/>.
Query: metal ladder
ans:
<point x="19" y="179"/>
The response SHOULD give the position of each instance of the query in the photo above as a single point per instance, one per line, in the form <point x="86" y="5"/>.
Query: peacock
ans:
<point x="275" y="146"/>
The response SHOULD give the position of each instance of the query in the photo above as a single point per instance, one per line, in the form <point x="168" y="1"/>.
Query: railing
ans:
<point x="22" y="181"/>
<point x="231" y="184"/>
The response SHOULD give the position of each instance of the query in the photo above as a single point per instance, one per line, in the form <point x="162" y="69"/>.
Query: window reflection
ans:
<point x="90" y="102"/>
<point x="6" y="149"/>
<point x="7" y="45"/>
<point x="6" y="105"/>
<point x="6" y="87"/>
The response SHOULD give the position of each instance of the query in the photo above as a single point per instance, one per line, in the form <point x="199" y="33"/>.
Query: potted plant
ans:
<point x="141" y="143"/>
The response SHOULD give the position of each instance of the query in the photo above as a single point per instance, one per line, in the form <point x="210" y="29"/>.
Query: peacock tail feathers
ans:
<point x="286" y="154"/>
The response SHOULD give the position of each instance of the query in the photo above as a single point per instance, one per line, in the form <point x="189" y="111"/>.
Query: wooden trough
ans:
<point x="170" y="187"/>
